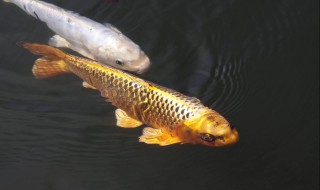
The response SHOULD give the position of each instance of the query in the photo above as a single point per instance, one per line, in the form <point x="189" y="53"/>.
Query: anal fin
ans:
<point x="125" y="121"/>
<point x="87" y="85"/>
<point x="158" y="136"/>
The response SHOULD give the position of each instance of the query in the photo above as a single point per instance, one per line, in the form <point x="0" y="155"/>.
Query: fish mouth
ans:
<point x="227" y="140"/>
<point x="142" y="64"/>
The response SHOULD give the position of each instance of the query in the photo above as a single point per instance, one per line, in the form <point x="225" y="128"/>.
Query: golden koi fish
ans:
<point x="172" y="116"/>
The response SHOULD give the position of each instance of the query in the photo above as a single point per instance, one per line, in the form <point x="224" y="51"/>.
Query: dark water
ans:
<point x="256" y="62"/>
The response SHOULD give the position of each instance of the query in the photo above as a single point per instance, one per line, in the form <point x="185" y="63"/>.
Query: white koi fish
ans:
<point x="103" y="43"/>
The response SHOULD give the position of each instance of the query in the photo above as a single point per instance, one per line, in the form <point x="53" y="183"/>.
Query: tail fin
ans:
<point x="45" y="50"/>
<point x="51" y="64"/>
<point x="46" y="67"/>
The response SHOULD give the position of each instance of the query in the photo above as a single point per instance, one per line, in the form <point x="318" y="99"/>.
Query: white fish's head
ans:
<point x="122" y="53"/>
<point x="137" y="64"/>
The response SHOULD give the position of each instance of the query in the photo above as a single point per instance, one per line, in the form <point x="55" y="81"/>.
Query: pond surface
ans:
<point x="255" y="62"/>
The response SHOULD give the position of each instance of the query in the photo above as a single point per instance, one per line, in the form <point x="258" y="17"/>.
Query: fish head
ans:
<point x="139" y="65"/>
<point x="122" y="53"/>
<point x="210" y="129"/>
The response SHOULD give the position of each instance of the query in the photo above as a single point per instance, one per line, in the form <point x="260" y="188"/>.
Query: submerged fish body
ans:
<point x="103" y="43"/>
<point x="171" y="116"/>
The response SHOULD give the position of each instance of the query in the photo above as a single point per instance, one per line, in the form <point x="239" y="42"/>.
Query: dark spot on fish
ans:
<point x="118" y="62"/>
<point x="207" y="137"/>
<point x="36" y="15"/>
<point x="24" y="7"/>
<point x="210" y="118"/>
<point x="188" y="114"/>
<point x="177" y="109"/>
<point x="69" y="20"/>
<point x="143" y="106"/>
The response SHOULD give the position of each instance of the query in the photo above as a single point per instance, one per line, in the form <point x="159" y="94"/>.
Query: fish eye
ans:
<point x="207" y="137"/>
<point x="118" y="62"/>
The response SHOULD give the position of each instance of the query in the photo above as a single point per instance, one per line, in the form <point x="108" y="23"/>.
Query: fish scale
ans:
<point x="127" y="94"/>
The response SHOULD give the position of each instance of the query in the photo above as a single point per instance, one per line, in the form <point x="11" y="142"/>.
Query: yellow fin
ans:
<point x="125" y="121"/>
<point x="46" y="67"/>
<point x="158" y="136"/>
<point x="51" y="64"/>
<point x="87" y="85"/>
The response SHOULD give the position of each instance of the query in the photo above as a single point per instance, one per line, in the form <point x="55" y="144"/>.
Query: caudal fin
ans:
<point x="46" y="67"/>
<point x="51" y="64"/>
<point x="41" y="49"/>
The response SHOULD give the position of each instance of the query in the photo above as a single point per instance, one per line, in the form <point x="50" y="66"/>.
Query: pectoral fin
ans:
<point x="125" y="121"/>
<point x="58" y="41"/>
<point x="87" y="85"/>
<point x="158" y="136"/>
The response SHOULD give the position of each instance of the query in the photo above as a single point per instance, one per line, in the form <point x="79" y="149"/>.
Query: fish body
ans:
<point x="103" y="43"/>
<point x="171" y="116"/>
